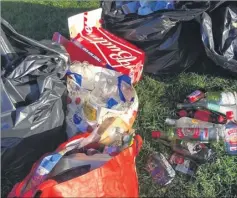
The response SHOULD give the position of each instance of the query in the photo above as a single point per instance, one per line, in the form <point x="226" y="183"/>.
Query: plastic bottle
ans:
<point x="114" y="132"/>
<point x="190" y="122"/>
<point x="222" y="98"/>
<point x="80" y="124"/>
<point x="160" y="169"/>
<point x="195" y="134"/>
<point x="194" y="150"/>
<point x="105" y="89"/>
<point x="203" y="115"/>
<point x="230" y="135"/>
<point x="183" y="164"/>
<point x="209" y="105"/>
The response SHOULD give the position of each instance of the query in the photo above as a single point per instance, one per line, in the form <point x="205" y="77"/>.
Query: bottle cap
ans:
<point x="179" y="105"/>
<point x="229" y="115"/>
<point x="182" y="113"/>
<point x="155" y="134"/>
<point x="221" y="119"/>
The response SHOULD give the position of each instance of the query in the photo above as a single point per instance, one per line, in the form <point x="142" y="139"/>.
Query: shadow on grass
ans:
<point x="203" y="66"/>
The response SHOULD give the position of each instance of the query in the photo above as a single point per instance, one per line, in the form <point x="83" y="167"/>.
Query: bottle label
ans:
<point x="231" y="138"/>
<point x="89" y="111"/>
<point x="192" y="133"/>
<point x="195" y="121"/>
<point x="213" y="107"/>
<point x="202" y="115"/>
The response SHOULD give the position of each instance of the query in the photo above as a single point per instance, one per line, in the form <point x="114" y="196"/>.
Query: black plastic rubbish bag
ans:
<point x="170" y="40"/>
<point x="184" y="10"/>
<point x="219" y="36"/>
<point x="32" y="101"/>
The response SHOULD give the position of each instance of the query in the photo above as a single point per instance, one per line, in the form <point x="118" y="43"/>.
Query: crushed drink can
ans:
<point x="195" y="96"/>
<point x="104" y="48"/>
<point x="160" y="169"/>
<point x="183" y="164"/>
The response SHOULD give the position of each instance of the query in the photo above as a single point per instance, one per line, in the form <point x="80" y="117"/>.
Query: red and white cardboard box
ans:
<point x="104" y="48"/>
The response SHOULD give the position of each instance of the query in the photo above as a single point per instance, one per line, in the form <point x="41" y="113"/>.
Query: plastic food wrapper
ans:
<point x="102" y="48"/>
<point x="219" y="36"/>
<point x="160" y="169"/>
<point x="61" y="174"/>
<point x="33" y="95"/>
<point x="96" y="93"/>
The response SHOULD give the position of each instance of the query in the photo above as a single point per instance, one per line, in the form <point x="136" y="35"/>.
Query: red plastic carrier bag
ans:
<point x="115" y="178"/>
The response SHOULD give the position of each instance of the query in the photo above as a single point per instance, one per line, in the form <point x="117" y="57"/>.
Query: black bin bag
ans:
<point x="170" y="38"/>
<point x="219" y="36"/>
<point x="32" y="102"/>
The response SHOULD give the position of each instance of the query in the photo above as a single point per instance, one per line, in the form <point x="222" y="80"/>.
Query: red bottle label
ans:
<point x="202" y="115"/>
<point x="192" y="133"/>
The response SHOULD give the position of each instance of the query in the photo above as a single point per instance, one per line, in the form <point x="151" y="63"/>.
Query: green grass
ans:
<point x="157" y="97"/>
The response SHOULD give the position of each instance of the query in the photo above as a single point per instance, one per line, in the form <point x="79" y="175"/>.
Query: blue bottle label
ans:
<point x="213" y="107"/>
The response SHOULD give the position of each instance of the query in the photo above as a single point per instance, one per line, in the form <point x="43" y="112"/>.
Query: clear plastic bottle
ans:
<point x="210" y="106"/>
<point x="105" y="88"/>
<point x="230" y="135"/>
<point x="204" y="135"/>
<point x="109" y="93"/>
<point x="222" y="98"/>
<point x="192" y="123"/>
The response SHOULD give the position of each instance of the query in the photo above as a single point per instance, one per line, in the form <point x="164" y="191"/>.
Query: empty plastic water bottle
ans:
<point x="190" y="122"/>
<point x="194" y="134"/>
<point x="105" y="93"/>
<point x="222" y="98"/>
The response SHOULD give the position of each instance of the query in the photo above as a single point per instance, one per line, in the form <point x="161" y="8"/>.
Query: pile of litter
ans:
<point x="205" y="117"/>
<point x="69" y="105"/>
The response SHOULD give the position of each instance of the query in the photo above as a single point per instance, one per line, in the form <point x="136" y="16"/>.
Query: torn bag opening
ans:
<point x="67" y="177"/>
